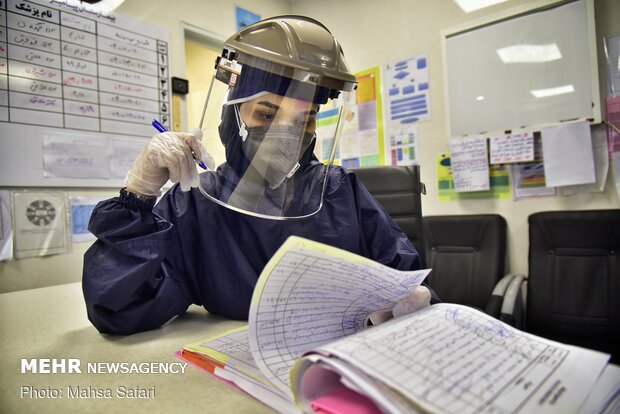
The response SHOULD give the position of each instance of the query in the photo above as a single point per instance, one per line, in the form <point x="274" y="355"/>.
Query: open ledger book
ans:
<point x="306" y="341"/>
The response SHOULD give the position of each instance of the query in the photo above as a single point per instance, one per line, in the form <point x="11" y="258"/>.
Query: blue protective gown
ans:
<point x="150" y="263"/>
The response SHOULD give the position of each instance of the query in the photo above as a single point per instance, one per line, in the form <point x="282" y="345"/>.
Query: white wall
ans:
<point x="374" y="33"/>
<point x="216" y="16"/>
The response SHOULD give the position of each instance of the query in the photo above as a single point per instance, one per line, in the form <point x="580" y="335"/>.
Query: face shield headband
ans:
<point x="253" y="81"/>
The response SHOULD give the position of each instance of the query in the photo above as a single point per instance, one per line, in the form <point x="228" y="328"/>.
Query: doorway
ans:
<point x="201" y="50"/>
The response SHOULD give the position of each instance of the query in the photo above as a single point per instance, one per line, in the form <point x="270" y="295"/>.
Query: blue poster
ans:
<point x="81" y="209"/>
<point x="245" y="18"/>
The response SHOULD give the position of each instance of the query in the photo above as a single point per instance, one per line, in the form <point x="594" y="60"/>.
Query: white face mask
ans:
<point x="274" y="151"/>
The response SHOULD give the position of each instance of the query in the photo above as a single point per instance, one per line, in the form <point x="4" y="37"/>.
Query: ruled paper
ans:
<point x="312" y="295"/>
<point x="454" y="359"/>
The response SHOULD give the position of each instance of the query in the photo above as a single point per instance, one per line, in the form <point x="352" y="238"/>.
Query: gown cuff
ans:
<point x="135" y="202"/>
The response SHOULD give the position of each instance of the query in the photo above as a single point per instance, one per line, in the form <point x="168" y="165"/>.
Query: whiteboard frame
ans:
<point x="513" y="13"/>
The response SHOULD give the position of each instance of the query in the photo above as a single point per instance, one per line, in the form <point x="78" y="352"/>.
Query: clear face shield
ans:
<point x="264" y="140"/>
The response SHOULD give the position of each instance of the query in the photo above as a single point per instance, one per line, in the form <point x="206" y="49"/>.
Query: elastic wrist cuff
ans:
<point x="136" y="202"/>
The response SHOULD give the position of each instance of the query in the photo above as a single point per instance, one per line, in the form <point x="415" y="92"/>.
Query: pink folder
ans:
<point x="344" y="401"/>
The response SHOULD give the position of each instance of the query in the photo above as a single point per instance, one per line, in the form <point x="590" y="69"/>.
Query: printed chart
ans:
<point x="407" y="94"/>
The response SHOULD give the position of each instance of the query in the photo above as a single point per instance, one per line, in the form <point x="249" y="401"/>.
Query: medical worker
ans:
<point x="208" y="238"/>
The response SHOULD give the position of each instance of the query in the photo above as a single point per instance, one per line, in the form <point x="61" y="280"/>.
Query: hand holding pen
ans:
<point x="168" y="156"/>
<point x="161" y="128"/>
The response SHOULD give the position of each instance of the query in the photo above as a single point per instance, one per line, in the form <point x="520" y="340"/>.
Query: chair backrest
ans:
<point x="467" y="254"/>
<point x="398" y="189"/>
<point x="573" y="293"/>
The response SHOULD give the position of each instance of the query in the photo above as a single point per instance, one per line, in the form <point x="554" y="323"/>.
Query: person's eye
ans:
<point x="265" y="116"/>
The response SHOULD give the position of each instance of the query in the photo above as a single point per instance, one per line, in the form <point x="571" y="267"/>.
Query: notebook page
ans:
<point x="454" y="359"/>
<point x="310" y="294"/>
<point x="232" y="349"/>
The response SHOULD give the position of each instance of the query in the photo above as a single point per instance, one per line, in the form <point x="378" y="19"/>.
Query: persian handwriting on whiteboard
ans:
<point x="33" y="71"/>
<point x="127" y="76"/>
<point x="28" y="24"/>
<point x="22" y="100"/>
<point x="33" y="10"/>
<point x="66" y="47"/>
<point x="80" y="52"/>
<point x="79" y="66"/>
<point x="33" y="41"/>
<point x="76" y="22"/>
<point x="303" y="305"/>
<point x="128" y="50"/>
<point x="28" y="55"/>
<point x="35" y="86"/>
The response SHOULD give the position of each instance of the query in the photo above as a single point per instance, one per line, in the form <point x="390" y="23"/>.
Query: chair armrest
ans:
<point x="513" y="306"/>
<point x="494" y="305"/>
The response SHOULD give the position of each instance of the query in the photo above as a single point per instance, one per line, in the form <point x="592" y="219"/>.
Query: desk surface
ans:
<point x="51" y="322"/>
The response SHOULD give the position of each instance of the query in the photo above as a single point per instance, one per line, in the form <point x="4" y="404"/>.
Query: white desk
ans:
<point x="51" y="322"/>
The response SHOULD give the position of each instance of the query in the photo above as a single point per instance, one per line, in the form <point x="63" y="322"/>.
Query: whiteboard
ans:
<point x="78" y="92"/>
<point x="530" y="69"/>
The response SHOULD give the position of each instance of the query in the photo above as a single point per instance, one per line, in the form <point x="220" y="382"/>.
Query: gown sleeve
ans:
<point x="131" y="279"/>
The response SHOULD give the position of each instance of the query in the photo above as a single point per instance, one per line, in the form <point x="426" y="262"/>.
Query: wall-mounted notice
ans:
<point x="81" y="209"/>
<point x="363" y="129"/>
<point x="528" y="178"/>
<point x="470" y="167"/>
<point x="499" y="177"/>
<point x="407" y="102"/>
<point x="66" y="68"/>
<point x="41" y="223"/>
<point x="245" y="18"/>
<point x="514" y="147"/>
<point x="567" y="150"/>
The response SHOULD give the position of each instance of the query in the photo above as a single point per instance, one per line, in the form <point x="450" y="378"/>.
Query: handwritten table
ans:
<point x="67" y="68"/>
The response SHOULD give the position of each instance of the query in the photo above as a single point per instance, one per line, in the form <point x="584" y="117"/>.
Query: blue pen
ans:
<point x="161" y="128"/>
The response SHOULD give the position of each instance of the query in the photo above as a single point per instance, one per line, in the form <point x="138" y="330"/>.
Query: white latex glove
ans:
<point x="420" y="298"/>
<point x="168" y="156"/>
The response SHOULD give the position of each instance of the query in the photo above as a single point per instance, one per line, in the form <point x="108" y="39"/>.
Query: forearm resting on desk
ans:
<point x="127" y="287"/>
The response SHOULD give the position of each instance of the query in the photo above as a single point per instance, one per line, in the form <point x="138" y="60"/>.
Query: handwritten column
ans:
<point x="129" y="76"/>
<point x="79" y="72"/>
<point x="34" y="64"/>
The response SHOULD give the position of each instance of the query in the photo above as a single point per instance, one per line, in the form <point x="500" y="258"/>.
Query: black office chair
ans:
<point x="468" y="256"/>
<point x="573" y="293"/>
<point x="398" y="189"/>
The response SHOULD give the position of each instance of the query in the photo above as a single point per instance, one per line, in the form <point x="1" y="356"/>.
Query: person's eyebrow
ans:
<point x="275" y="107"/>
<point x="269" y="105"/>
